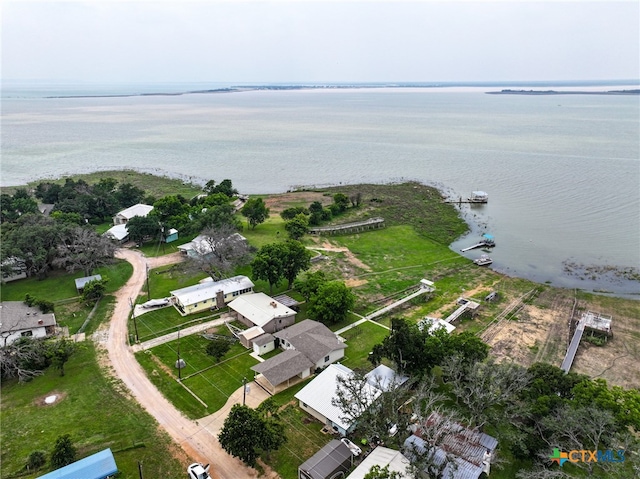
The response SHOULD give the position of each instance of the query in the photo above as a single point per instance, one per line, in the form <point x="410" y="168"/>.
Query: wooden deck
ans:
<point x="349" y="228"/>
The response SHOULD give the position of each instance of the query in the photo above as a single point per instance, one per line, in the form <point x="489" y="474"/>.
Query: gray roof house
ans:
<point x="19" y="320"/>
<point x="328" y="462"/>
<point x="308" y="345"/>
<point x="314" y="340"/>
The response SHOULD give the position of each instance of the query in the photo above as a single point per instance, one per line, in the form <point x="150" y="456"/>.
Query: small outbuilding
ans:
<point x="100" y="465"/>
<point x="119" y="233"/>
<point x="329" y="462"/>
<point x="172" y="235"/>
<point x="383" y="457"/>
<point x="82" y="282"/>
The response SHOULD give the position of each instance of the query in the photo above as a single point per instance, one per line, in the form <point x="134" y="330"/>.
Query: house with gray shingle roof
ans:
<point x="19" y="320"/>
<point x="314" y="340"/>
<point x="308" y="346"/>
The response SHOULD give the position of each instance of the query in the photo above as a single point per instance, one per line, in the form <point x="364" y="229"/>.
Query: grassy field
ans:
<point x="93" y="410"/>
<point x="212" y="383"/>
<point x="60" y="285"/>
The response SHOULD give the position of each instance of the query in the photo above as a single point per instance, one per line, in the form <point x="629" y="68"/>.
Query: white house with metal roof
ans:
<point x="210" y="294"/>
<point x="118" y="232"/>
<point x="136" y="210"/>
<point x="383" y="457"/>
<point x="316" y="398"/>
<point x="259" y="309"/>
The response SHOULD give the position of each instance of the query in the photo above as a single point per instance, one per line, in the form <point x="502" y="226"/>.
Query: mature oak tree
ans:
<point x="221" y="250"/>
<point x="82" y="249"/>
<point x="245" y="433"/>
<point x="255" y="211"/>
<point x="331" y="303"/>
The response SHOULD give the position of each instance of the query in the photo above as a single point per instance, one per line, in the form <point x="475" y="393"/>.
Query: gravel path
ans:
<point x="196" y="440"/>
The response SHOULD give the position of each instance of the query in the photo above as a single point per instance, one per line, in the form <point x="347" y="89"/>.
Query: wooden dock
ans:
<point x="573" y="347"/>
<point x="349" y="228"/>
<point x="477" y="245"/>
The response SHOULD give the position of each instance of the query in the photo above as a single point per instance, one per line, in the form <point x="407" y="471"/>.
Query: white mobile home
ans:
<point x="210" y="295"/>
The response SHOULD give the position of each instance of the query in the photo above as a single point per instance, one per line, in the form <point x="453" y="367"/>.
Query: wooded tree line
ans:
<point x="35" y="243"/>
<point x="531" y="410"/>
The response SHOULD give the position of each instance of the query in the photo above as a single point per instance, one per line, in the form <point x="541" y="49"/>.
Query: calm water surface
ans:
<point x="562" y="172"/>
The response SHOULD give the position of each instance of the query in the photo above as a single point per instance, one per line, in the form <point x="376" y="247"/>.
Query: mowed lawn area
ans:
<point x="212" y="382"/>
<point x="92" y="410"/>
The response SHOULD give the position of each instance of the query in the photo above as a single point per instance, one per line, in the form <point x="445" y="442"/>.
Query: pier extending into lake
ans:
<point x="349" y="228"/>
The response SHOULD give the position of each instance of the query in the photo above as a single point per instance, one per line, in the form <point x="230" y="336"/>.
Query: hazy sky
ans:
<point x="322" y="41"/>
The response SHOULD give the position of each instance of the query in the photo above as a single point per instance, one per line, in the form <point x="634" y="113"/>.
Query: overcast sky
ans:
<point x="323" y="41"/>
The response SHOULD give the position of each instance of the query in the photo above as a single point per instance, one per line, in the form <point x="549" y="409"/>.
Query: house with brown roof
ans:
<point x="308" y="345"/>
<point x="18" y="320"/>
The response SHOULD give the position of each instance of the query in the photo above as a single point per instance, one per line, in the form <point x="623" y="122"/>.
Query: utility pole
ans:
<point x="140" y="469"/>
<point x="180" y="362"/>
<point x="148" y="288"/>
<point x="132" y="315"/>
<point x="244" y="390"/>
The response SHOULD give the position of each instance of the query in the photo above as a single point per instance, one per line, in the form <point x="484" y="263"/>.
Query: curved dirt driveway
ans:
<point x="199" y="444"/>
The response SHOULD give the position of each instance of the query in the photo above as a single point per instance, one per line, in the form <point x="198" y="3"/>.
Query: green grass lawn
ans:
<point x="163" y="321"/>
<point x="360" y="342"/>
<point x="60" y="285"/>
<point x="212" y="383"/>
<point x="92" y="410"/>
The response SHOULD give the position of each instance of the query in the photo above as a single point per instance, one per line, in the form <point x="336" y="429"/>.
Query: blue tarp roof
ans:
<point x="488" y="236"/>
<point x="97" y="466"/>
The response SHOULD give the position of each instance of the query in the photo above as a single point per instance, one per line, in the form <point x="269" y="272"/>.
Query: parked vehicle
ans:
<point x="198" y="471"/>
<point x="355" y="450"/>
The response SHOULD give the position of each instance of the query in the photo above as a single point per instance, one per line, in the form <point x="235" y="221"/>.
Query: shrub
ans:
<point x="36" y="460"/>
<point x="64" y="452"/>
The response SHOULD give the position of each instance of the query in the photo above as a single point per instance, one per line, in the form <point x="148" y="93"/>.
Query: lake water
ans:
<point x="562" y="172"/>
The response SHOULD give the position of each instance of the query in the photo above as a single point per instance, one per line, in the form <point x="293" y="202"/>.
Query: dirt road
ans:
<point x="198" y="442"/>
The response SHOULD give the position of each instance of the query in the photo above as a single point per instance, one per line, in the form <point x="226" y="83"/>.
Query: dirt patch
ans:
<point x="351" y="258"/>
<point x="279" y="203"/>
<point x="536" y="336"/>
<point x="541" y="334"/>
<point x="354" y="283"/>
<point x="50" y="399"/>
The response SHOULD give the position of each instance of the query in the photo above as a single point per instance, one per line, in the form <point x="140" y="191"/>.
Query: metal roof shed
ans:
<point x="333" y="458"/>
<point x="97" y="466"/>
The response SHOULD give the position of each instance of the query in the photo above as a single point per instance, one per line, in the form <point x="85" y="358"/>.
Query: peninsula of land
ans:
<point x="560" y="92"/>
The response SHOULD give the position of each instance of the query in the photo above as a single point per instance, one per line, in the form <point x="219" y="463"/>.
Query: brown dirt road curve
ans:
<point x="199" y="444"/>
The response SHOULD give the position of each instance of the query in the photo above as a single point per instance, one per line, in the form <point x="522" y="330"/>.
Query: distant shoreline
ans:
<point x="433" y="86"/>
<point x="560" y="92"/>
